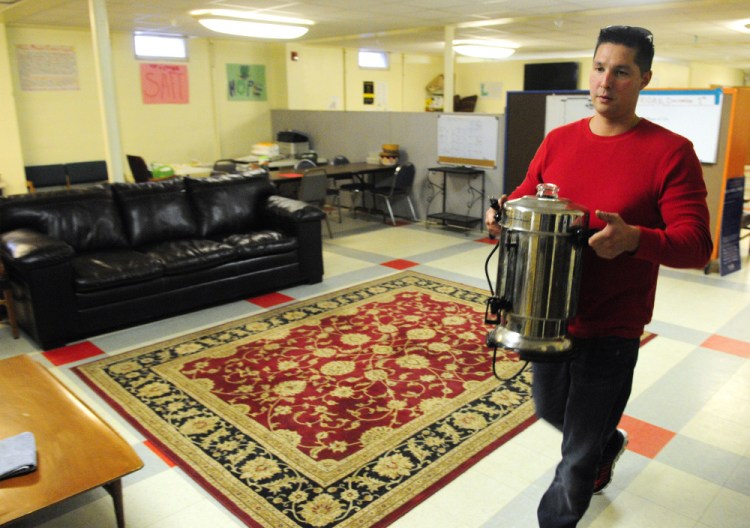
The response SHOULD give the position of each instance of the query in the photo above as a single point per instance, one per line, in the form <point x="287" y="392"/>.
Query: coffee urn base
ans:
<point x="531" y="348"/>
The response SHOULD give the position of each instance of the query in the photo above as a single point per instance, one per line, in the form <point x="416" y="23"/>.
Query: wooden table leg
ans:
<point x="115" y="490"/>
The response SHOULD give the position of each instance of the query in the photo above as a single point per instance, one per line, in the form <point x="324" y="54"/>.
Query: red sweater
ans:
<point x="653" y="179"/>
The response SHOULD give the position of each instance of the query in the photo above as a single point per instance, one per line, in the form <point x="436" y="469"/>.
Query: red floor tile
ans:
<point x="400" y="264"/>
<point x="168" y="461"/>
<point x="728" y="345"/>
<point x="72" y="353"/>
<point x="270" y="299"/>
<point x="645" y="439"/>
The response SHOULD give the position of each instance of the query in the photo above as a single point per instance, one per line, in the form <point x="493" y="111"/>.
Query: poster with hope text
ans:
<point x="246" y="82"/>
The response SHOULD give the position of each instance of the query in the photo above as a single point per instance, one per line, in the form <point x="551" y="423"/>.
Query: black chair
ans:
<point x="39" y="176"/>
<point x="400" y="186"/>
<point x="224" y="166"/>
<point x="305" y="164"/>
<point x="357" y="187"/>
<point x="311" y="155"/>
<point x="313" y="189"/>
<point x="139" y="169"/>
<point x="87" y="172"/>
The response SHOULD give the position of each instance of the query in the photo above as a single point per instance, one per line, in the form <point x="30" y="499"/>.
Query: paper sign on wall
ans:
<point x="246" y="82"/>
<point x="164" y="84"/>
<point x="43" y="67"/>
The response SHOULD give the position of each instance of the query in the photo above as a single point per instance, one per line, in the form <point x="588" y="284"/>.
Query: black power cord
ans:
<point x="494" y="304"/>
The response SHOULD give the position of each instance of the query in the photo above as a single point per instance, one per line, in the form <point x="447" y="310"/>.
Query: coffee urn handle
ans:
<point x="581" y="235"/>
<point x="511" y="252"/>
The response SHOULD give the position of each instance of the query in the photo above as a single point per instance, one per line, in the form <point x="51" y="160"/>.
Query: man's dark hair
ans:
<point x="638" y="38"/>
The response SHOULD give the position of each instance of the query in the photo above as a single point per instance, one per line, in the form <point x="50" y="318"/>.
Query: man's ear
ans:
<point x="646" y="78"/>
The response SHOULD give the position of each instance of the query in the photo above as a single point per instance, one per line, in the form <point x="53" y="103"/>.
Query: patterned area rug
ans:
<point x="343" y="410"/>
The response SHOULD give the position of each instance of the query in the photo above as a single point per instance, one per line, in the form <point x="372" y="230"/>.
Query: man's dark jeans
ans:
<point x="584" y="398"/>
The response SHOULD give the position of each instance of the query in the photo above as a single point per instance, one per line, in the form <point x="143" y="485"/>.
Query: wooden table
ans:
<point x="76" y="450"/>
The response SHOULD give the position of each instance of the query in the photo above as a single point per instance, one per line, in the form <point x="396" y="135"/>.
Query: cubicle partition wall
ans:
<point x="358" y="134"/>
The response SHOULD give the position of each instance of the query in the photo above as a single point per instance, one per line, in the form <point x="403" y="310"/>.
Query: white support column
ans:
<point x="448" y="72"/>
<point x="106" y="86"/>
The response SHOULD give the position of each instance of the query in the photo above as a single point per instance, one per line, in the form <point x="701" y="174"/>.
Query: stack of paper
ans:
<point x="266" y="149"/>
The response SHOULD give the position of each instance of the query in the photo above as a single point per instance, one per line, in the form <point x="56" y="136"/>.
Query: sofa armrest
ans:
<point x="300" y="220"/>
<point x="290" y="211"/>
<point x="27" y="249"/>
<point x="41" y="272"/>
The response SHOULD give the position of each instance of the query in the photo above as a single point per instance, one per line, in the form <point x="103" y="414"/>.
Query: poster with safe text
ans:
<point x="246" y="82"/>
<point x="164" y="84"/>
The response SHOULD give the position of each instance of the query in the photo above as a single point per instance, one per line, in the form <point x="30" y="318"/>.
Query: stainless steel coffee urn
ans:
<point x="539" y="270"/>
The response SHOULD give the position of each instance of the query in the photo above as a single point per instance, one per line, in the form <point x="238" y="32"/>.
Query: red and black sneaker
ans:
<point x="607" y="467"/>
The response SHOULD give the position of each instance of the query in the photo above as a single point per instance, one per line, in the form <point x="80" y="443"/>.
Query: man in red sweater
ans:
<point x="645" y="185"/>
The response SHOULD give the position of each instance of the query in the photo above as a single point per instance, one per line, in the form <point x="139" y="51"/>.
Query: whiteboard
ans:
<point x="694" y="114"/>
<point x="468" y="140"/>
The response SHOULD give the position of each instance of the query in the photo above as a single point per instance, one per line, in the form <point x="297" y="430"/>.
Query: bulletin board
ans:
<point x="468" y="140"/>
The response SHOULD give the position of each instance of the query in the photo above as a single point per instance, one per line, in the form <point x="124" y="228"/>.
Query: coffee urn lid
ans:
<point x="544" y="212"/>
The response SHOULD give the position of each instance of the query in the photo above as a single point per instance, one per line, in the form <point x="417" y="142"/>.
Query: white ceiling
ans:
<point x="696" y="30"/>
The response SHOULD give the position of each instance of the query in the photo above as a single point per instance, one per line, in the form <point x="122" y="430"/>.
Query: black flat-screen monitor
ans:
<point x="551" y="76"/>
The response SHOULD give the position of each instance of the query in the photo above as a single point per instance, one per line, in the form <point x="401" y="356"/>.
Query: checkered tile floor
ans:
<point x="687" y="464"/>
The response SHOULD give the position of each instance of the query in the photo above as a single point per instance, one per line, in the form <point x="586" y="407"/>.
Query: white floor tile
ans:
<point x="674" y="490"/>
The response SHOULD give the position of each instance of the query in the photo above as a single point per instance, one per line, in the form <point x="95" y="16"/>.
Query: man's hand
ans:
<point x="616" y="238"/>
<point x="489" y="217"/>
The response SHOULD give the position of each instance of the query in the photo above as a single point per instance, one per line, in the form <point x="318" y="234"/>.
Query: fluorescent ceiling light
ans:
<point x="251" y="24"/>
<point x="485" y="48"/>
<point x="483" y="52"/>
<point x="742" y="26"/>
<point x="252" y="29"/>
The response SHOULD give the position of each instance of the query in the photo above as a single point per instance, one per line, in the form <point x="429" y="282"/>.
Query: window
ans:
<point x="160" y="47"/>
<point x="373" y="60"/>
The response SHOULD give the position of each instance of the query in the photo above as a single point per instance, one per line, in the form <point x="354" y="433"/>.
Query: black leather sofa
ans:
<point x="84" y="262"/>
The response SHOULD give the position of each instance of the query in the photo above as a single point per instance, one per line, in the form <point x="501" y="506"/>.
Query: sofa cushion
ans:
<point x="155" y="211"/>
<point x="108" y="269"/>
<point x="87" y="219"/>
<point x="229" y="203"/>
<point x="259" y="243"/>
<point x="181" y="256"/>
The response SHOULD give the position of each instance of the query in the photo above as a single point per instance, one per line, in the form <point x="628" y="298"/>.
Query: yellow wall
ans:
<point x="419" y="70"/>
<point x="11" y="157"/>
<point x="244" y="123"/>
<point x="704" y="75"/>
<point x="59" y="126"/>
<point x="316" y="79"/>
<point x="330" y="79"/>
<point x="388" y="83"/>
<point x="473" y="76"/>
<point x="64" y="126"/>
<point x="163" y="133"/>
